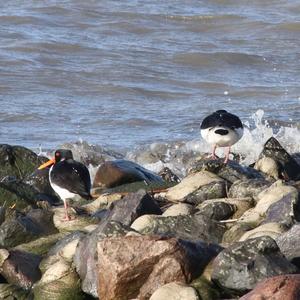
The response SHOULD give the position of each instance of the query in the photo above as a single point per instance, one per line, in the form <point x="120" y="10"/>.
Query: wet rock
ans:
<point x="131" y="207"/>
<point x="242" y="265"/>
<point x="289" y="244"/>
<point x="185" y="227"/>
<point x="167" y="175"/>
<point x="21" y="268"/>
<point x="216" y="210"/>
<point x="195" y="183"/>
<point x="118" y="172"/>
<point x="148" y="262"/>
<point x="86" y="257"/>
<point x="18" y="161"/>
<point x="231" y="172"/>
<point x="174" y="291"/>
<point x="289" y="168"/>
<point x="276" y="288"/>
<point x="272" y="230"/>
<point x="179" y="209"/>
<point x="12" y="292"/>
<point x="248" y="188"/>
<point x="25" y="228"/>
<point x="60" y="281"/>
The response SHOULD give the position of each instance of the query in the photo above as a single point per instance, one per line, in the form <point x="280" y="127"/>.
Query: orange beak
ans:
<point x="47" y="164"/>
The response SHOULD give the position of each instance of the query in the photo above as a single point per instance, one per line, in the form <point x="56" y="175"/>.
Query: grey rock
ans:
<point x="131" y="207"/>
<point x="234" y="233"/>
<point x="185" y="227"/>
<point x="231" y="172"/>
<point x="26" y="228"/>
<point x="242" y="265"/>
<point x="213" y="190"/>
<point x="248" y="188"/>
<point x="289" y="244"/>
<point x="217" y="210"/>
<point x="284" y="211"/>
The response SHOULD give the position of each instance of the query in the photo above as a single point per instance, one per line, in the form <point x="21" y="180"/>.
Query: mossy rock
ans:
<point x="18" y="161"/>
<point x="12" y="292"/>
<point x="65" y="288"/>
<point x="42" y="245"/>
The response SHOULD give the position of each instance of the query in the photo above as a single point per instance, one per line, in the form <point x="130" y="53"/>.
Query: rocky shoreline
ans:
<point x="221" y="232"/>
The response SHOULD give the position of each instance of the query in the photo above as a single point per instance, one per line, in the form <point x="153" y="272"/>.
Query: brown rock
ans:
<point x="285" y="287"/>
<point x="136" y="266"/>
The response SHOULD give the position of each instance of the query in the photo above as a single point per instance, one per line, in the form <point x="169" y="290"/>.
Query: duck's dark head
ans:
<point x="60" y="155"/>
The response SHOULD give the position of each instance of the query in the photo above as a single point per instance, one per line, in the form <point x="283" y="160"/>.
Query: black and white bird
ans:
<point x="222" y="129"/>
<point x="68" y="177"/>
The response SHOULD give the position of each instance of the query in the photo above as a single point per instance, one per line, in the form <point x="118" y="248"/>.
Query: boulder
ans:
<point x="119" y="172"/>
<point x="243" y="264"/>
<point x="248" y="188"/>
<point x="276" y="288"/>
<point x="216" y="210"/>
<point x="237" y="206"/>
<point x="288" y="166"/>
<point x="131" y="207"/>
<point x="20" y="268"/>
<point x="289" y="244"/>
<point x="178" y="209"/>
<point x="18" y="161"/>
<point x="25" y="228"/>
<point x="185" y="227"/>
<point x="285" y="211"/>
<point x="85" y="258"/>
<point x="276" y="192"/>
<point x="197" y="187"/>
<point x="231" y="172"/>
<point x="41" y="245"/>
<point x="136" y="266"/>
<point x="60" y="281"/>
<point x="272" y="230"/>
<point x="206" y="289"/>
<point x="174" y="291"/>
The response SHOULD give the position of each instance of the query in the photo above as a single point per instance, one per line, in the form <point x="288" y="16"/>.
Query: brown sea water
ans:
<point x="128" y="73"/>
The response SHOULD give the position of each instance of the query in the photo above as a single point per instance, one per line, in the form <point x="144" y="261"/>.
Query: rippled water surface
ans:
<point x="126" y="73"/>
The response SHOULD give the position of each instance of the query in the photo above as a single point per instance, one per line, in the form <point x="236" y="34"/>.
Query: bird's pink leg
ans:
<point x="227" y="155"/>
<point x="213" y="153"/>
<point x="67" y="217"/>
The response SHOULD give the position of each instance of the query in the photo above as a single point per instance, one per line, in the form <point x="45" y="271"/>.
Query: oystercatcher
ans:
<point x="222" y="129"/>
<point x="68" y="177"/>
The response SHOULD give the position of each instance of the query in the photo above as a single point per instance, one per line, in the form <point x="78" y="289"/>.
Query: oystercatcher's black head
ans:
<point x="60" y="154"/>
